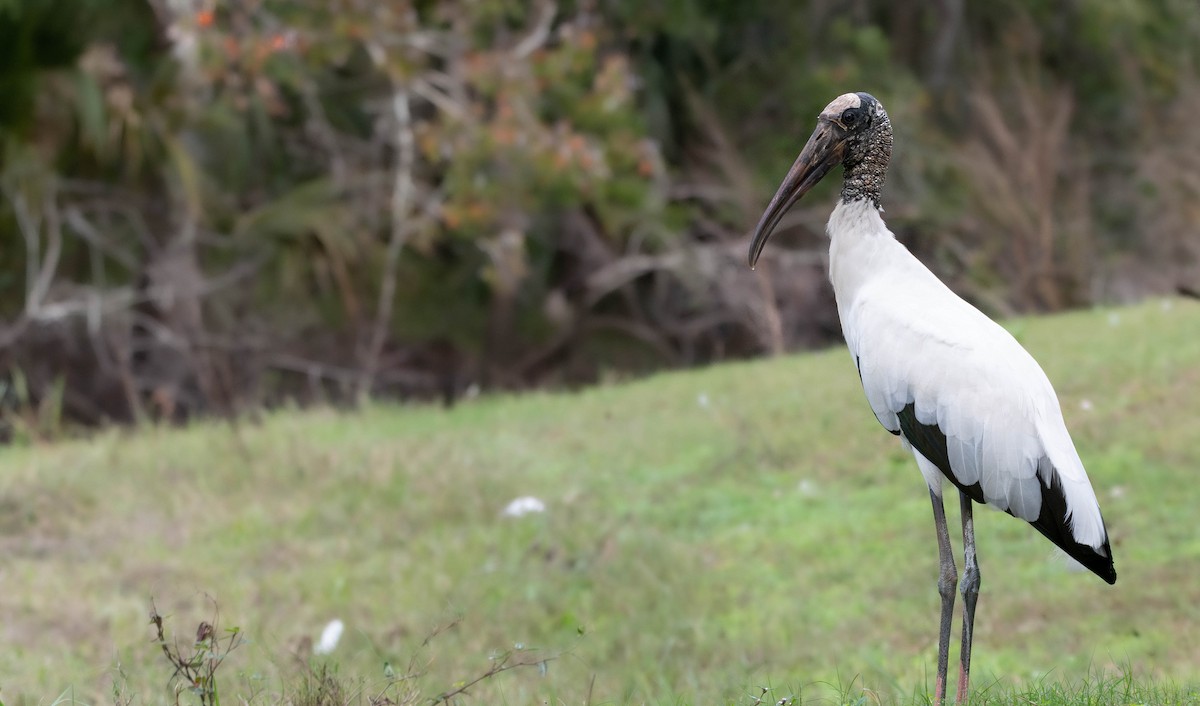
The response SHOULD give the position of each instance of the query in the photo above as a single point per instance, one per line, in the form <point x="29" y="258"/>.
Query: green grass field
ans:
<point x="706" y="533"/>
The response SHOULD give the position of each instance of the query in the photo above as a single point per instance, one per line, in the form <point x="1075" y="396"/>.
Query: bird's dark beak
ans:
<point x="825" y="150"/>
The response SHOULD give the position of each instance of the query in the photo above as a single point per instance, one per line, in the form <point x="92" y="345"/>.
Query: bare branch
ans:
<point x="96" y="301"/>
<point x="500" y="664"/>
<point x="402" y="191"/>
<point x="39" y="270"/>
<point x="427" y="90"/>
<point x="536" y="39"/>
<point x="623" y="271"/>
<point x="348" y="376"/>
<point x="89" y="234"/>
<point x="319" y="125"/>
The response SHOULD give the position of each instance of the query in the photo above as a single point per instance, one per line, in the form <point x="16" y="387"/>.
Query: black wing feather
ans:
<point x="1052" y="521"/>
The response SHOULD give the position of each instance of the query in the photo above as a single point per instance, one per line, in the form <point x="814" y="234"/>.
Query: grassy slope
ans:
<point x="709" y="531"/>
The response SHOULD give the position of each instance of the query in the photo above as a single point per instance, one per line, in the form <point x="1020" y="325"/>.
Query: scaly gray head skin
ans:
<point x="853" y="131"/>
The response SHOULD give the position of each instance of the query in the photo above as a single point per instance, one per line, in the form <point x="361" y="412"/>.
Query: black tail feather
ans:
<point x="1052" y="521"/>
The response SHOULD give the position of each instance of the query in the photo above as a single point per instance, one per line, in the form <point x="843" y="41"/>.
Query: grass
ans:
<point x="707" y="532"/>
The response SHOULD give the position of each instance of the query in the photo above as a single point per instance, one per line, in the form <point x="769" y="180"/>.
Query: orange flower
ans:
<point x="204" y="18"/>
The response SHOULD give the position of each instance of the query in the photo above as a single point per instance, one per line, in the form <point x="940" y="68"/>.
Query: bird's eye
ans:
<point x="849" y="117"/>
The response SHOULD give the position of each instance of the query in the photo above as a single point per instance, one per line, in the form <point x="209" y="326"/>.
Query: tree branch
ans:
<point x="536" y="38"/>
<point x="402" y="191"/>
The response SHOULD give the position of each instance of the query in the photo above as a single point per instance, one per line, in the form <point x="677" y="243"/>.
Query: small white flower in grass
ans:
<point x="1085" y="404"/>
<point x="329" y="637"/>
<point x="702" y="400"/>
<point x="1117" y="491"/>
<point x="1114" y="319"/>
<point x="1166" y="304"/>
<point x="524" y="505"/>
<point x="807" y="488"/>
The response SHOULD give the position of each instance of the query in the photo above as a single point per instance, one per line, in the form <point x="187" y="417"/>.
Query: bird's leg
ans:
<point x="947" y="581"/>
<point x="970" y="593"/>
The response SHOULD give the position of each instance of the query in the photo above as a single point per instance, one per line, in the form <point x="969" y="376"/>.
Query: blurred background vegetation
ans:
<point x="213" y="205"/>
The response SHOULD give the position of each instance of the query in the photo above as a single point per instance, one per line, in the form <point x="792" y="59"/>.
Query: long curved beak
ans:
<point x="825" y="150"/>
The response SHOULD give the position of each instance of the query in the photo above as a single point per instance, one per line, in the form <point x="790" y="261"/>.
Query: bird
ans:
<point x="970" y="403"/>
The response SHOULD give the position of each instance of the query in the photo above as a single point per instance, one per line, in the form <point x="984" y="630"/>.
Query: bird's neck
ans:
<point x="861" y="248"/>
<point x="854" y="222"/>
<point x="862" y="180"/>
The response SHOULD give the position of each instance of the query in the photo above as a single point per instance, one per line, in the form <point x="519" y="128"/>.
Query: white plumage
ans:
<point x="917" y="342"/>
<point x="964" y="397"/>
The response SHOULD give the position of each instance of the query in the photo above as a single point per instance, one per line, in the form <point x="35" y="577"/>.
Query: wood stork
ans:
<point x="969" y="402"/>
